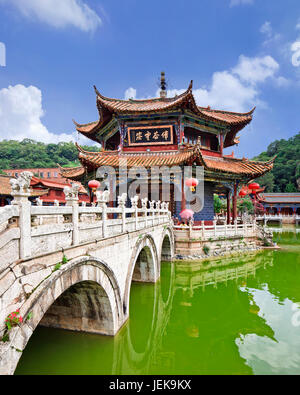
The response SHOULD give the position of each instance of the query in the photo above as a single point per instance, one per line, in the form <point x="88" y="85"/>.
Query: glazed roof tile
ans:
<point x="280" y="197"/>
<point x="109" y="106"/>
<point x="186" y="155"/>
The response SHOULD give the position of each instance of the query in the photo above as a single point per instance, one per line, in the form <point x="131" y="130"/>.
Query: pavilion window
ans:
<point x="49" y="174"/>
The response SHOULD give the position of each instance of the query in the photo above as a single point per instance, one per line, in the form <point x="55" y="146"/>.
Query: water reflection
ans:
<point x="220" y="317"/>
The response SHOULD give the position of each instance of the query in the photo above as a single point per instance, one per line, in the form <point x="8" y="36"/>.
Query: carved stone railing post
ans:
<point x="20" y="190"/>
<point x="134" y="205"/>
<point x="157" y="207"/>
<point x="144" y="207"/>
<point x="152" y="210"/>
<point x="102" y="199"/>
<point x="121" y="203"/>
<point x="71" y="194"/>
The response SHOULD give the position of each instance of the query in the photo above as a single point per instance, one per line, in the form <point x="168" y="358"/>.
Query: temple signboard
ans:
<point x="150" y="135"/>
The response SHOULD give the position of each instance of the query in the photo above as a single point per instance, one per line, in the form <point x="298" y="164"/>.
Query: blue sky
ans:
<point x="240" y="54"/>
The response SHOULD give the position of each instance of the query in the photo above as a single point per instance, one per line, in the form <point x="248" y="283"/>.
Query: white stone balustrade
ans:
<point x="28" y="230"/>
<point x="207" y="232"/>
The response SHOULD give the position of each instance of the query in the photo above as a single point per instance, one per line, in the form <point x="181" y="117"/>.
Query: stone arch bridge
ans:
<point x="72" y="266"/>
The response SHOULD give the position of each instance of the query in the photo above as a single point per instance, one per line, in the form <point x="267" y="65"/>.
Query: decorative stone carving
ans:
<point x="102" y="196"/>
<point x="39" y="202"/>
<point x="144" y="203"/>
<point x="56" y="203"/>
<point x="164" y="205"/>
<point x="21" y="185"/>
<point x="152" y="204"/>
<point x="122" y="200"/>
<point x="158" y="205"/>
<point x="72" y="191"/>
<point x="134" y="201"/>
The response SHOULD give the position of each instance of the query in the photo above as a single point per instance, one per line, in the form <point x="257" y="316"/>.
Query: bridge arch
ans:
<point x="87" y="274"/>
<point x="144" y="266"/>
<point x="167" y="244"/>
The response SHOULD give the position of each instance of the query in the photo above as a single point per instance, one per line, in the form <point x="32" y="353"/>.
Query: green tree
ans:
<point x="286" y="166"/>
<point x="217" y="204"/>
<point x="290" y="188"/>
<point x="33" y="154"/>
<point x="245" y="205"/>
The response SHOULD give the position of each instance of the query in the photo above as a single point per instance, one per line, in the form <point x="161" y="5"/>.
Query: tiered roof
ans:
<point x="109" y="107"/>
<point x="186" y="155"/>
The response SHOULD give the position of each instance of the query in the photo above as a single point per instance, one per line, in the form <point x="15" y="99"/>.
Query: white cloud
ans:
<point x="237" y="89"/>
<point x="267" y="30"/>
<point x="130" y="93"/>
<point x="20" y="116"/>
<point x="240" y="2"/>
<point x="253" y="70"/>
<point x="2" y="55"/>
<point x="59" y="13"/>
<point x="295" y="48"/>
<point x="226" y="92"/>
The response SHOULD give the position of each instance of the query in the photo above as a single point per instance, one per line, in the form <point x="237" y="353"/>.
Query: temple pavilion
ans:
<point x="170" y="132"/>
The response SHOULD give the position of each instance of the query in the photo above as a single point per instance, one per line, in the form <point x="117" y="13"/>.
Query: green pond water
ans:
<point x="243" y="318"/>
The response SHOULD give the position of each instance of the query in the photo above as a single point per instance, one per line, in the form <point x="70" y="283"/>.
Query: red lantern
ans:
<point x="254" y="186"/>
<point x="191" y="183"/>
<point x="94" y="184"/>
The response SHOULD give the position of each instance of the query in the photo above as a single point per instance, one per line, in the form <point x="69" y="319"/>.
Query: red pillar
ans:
<point x="183" y="203"/>
<point x="221" y="144"/>
<point x="228" y="208"/>
<point x="234" y="204"/>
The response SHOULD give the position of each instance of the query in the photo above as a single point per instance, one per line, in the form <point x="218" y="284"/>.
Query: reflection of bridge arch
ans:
<point x="144" y="266"/>
<point x="127" y="358"/>
<point x="86" y="274"/>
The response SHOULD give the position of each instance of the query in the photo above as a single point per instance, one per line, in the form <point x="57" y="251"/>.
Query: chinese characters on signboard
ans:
<point x="150" y="135"/>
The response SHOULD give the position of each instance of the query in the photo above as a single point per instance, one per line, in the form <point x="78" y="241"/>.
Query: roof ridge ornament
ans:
<point x="163" y="85"/>
<point x="96" y="90"/>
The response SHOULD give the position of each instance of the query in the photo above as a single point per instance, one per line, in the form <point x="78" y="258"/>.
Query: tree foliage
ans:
<point x="286" y="170"/>
<point x="33" y="154"/>
<point x="245" y="205"/>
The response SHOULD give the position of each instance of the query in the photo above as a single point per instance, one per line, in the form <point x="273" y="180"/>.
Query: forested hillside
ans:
<point x="31" y="154"/>
<point x="286" y="171"/>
